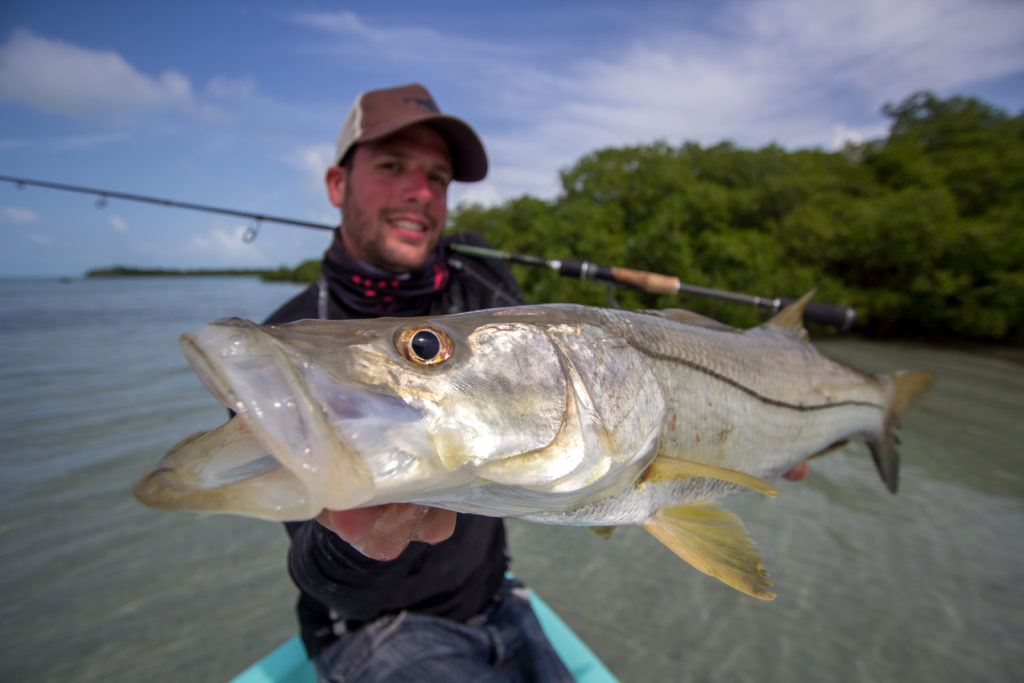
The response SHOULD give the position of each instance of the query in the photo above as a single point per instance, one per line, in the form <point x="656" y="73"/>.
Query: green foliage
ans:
<point x="306" y="272"/>
<point x="921" y="231"/>
<point x="132" y="271"/>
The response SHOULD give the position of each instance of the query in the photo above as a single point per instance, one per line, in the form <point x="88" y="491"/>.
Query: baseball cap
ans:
<point x="379" y="113"/>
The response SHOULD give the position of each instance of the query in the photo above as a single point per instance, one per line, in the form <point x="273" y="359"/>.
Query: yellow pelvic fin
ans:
<point x="791" y="318"/>
<point x="602" y="531"/>
<point x="714" y="541"/>
<point x="671" y="469"/>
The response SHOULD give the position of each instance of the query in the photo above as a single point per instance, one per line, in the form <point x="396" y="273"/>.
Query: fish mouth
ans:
<point x="296" y="444"/>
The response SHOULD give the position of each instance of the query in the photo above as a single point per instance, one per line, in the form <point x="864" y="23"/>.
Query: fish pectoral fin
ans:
<point x="665" y="468"/>
<point x="602" y="531"/>
<point x="714" y="541"/>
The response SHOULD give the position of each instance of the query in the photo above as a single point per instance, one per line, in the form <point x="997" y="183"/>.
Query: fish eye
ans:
<point x="424" y="344"/>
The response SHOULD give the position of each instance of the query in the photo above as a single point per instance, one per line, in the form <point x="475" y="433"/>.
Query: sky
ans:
<point x="237" y="103"/>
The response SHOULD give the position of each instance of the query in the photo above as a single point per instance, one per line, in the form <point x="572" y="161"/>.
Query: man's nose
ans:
<point x="417" y="186"/>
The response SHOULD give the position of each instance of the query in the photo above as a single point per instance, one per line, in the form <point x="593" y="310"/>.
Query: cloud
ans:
<point x="789" y="70"/>
<point x="485" y="193"/>
<point x="42" y="240"/>
<point x="16" y="214"/>
<point x="226" y="244"/>
<point x="313" y="162"/>
<point x="67" y="142"/>
<point x="223" y="97"/>
<point x="223" y="87"/>
<point x="118" y="224"/>
<point x="60" y="78"/>
<point x="875" y="46"/>
<point x="801" y="73"/>
<point x="85" y="141"/>
<point x="399" y="44"/>
<point x="843" y="134"/>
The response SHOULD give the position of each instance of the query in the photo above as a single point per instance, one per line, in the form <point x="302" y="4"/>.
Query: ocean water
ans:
<point x="924" y="585"/>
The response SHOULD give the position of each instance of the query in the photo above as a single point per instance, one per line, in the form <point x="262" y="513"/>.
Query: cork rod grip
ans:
<point x="649" y="282"/>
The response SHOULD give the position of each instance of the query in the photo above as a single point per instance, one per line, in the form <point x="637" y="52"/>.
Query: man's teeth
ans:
<point x="410" y="225"/>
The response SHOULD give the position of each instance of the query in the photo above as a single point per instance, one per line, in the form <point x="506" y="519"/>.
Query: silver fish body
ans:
<point x="557" y="413"/>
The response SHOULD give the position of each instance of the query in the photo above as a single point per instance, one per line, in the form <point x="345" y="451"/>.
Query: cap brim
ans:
<point x="469" y="159"/>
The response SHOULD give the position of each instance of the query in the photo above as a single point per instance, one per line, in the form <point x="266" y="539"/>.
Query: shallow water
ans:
<point x="94" y="587"/>
<point x="924" y="585"/>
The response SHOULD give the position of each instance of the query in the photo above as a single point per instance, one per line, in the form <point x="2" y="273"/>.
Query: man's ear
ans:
<point x="336" y="177"/>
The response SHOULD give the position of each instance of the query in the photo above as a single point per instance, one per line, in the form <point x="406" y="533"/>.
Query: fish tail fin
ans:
<point x="908" y="387"/>
<point x="713" y="541"/>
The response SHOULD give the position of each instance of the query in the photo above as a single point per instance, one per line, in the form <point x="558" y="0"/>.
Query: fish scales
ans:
<point x="769" y="381"/>
<point x="558" y="413"/>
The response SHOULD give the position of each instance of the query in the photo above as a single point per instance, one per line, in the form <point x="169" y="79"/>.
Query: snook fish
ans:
<point x="557" y="413"/>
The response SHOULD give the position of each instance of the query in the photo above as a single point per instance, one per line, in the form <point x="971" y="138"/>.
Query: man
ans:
<point x="404" y="592"/>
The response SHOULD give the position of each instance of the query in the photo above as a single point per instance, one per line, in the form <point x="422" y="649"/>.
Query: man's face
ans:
<point x="394" y="198"/>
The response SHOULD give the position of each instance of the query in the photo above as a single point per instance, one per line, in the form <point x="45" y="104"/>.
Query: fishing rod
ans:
<point x="654" y="283"/>
<point x="102" y="196"/>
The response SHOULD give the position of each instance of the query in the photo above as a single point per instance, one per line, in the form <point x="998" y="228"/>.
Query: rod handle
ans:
<point x="841" y="317"/>
<point x="654" y="283"/>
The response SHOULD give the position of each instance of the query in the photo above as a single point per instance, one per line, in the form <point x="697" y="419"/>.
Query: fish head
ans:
<point x="344" y="414"/>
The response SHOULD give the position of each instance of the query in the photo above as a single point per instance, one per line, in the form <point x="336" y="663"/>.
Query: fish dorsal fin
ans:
<point x="714" y="541"/>
<point x="671" y="469"/>
<point x="681" y="315"/>
<point x="791" y="318"/>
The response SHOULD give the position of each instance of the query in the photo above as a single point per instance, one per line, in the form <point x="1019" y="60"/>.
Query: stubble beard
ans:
<point x="370" y="238"/>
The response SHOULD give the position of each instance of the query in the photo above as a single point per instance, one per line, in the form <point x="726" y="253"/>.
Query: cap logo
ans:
<point x="424" y="103"/>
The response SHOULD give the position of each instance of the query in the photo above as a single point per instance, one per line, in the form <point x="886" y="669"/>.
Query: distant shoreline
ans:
<point x="305" y="273"/>
<point x="123" y="271"/>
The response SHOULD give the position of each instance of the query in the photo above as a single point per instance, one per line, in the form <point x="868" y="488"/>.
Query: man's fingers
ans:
<point x="436" y="526"/>
<point x="399" y="518"/>
<point x="351" y="525"/>
<point x="798" y="471"/>
<point x="383" y="532"/>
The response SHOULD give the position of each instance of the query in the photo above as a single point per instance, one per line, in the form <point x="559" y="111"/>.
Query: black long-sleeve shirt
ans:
<point x="456" y="578"/>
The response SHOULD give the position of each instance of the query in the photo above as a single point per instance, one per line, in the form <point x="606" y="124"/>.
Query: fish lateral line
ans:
<point x="736" y="384"/>
<point x="789" y="320"/>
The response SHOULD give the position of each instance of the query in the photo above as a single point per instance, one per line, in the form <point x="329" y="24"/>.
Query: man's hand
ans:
<point x="383" y="532"/>
<point x="798" y="471"/>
